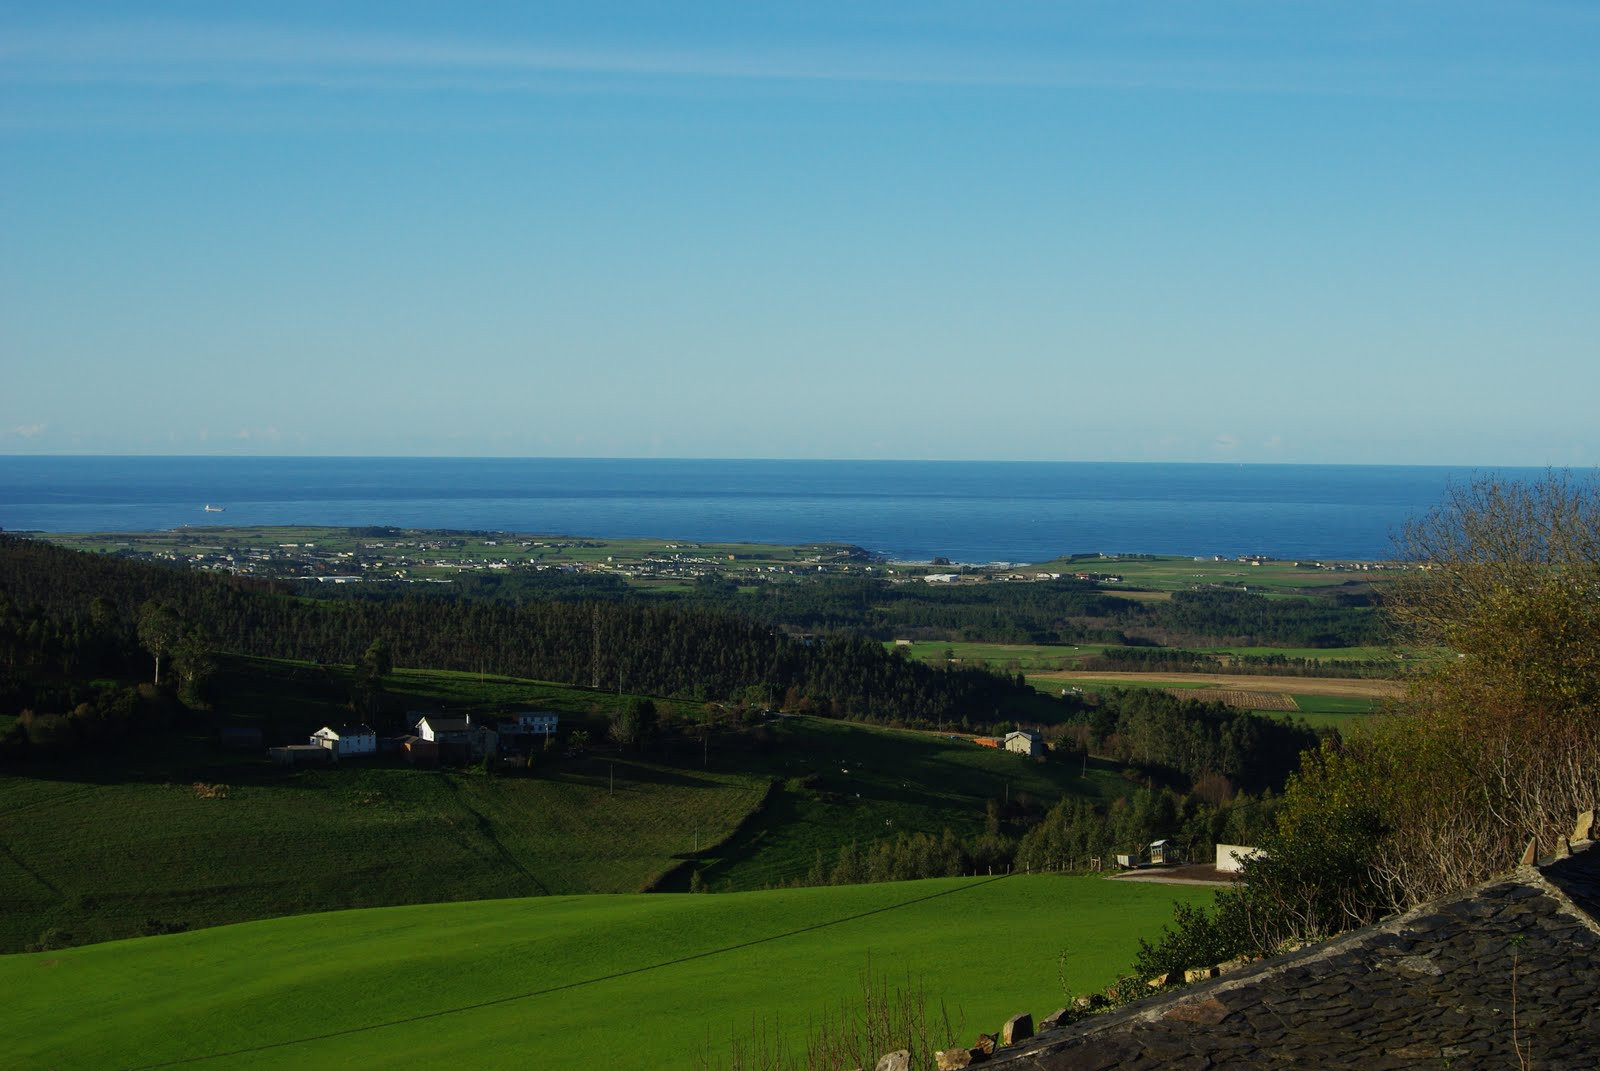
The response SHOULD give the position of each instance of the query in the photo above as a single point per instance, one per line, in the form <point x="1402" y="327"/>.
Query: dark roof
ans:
<point x="1433" y="987"/>
<point x="449" y="723"/>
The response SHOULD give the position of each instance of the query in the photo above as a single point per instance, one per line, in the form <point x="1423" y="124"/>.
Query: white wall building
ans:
<point x="346" y="740"/>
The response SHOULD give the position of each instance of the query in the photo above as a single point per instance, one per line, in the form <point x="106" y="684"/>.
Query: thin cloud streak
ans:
<point x="188" y="54"/>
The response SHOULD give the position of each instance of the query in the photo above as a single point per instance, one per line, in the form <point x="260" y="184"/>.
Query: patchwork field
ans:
<point x="568" y="982"/>
<point x="1274" y="701"/>
<point x="1348" y="687"/>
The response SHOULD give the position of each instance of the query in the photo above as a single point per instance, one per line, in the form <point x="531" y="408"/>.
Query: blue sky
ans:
<point x="1263" y="232"/>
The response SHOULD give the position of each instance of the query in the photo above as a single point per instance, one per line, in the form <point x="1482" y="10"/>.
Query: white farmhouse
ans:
<point x="534" y="722"/>
<point x="346" y="740"/>
<point x="1025" y="742"/>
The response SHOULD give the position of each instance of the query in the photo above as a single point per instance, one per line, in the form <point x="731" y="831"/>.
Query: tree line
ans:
<point x="66" y="616"/>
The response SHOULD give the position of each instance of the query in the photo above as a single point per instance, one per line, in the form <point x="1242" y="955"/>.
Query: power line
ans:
<point x="565" y="986"/>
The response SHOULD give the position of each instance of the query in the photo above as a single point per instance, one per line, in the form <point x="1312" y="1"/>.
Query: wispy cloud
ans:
<point x="29" y="431"/>
<point x="241" y="54"/>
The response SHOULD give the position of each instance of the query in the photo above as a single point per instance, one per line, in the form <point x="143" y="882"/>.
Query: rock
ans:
<point x="1058" y="1018"/>
<point x="1419" y="965"/>
<point x="985" y="1044"/>
<point x="1090" y="1002"/>
<point x="899" y="1060"/>
<point x="950" y="1059"/>
<point x="1017" y="1028"/>
<point x="1200" y="1012"/>
<point x="1416" y="1051"/>
<point x="1162" y="980"/>
<point x="1199" y="974"/>
<point x="1585" y="826"/>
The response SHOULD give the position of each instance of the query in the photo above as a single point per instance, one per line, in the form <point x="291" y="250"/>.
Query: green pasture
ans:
<point x="570" y="982"/>
<point x="1036" y="657"/>
<point x="100" y="854"/>
<point x="839" y="782"/>
<point x="1317" y="711"/>
<point x="1323" y="654"/>
<point x="1334" y="712"/>
<point x="112" y="847"/>
<point x="1176" y="573"/>
<point x="1009" y="657"/>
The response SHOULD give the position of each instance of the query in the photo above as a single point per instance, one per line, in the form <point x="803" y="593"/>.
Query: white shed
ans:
<point x="1025" y="742"/>
<point x="1231" y="857"/>
<point x="346" y="740"/>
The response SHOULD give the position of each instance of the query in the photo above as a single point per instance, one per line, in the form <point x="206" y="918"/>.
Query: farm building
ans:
<point x="419" y="752"/>
<point x="1163" y="853"/>
<point x="1025" y="742"/>
<point x="532" y="722"/>
<point x="458" y="739"/>
<point x="1230" y="857"/>
<point x="346" y="740"/>
<point x="987" y="741"/>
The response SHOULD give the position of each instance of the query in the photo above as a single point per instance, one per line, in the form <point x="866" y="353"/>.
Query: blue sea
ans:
<point x="967" y="511"/>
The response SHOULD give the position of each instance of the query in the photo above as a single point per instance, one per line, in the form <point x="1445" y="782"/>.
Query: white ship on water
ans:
<point x="215" y="509"/>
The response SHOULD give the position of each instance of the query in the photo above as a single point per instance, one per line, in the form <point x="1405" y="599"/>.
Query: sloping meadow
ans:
<point x="579" y="982"/>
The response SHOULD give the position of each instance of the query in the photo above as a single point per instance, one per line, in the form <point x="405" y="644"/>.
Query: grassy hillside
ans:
<point x="96" y="860"/>
<point x="565" y="982"/>
<point x="841" y="782"/>
<point x="180" y="835"/>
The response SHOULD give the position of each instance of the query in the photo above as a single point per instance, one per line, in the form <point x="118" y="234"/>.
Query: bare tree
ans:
<point x="1500" y="742"/>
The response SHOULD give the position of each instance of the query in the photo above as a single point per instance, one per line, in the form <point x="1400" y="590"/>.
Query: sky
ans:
<point x="1312" y="232"/>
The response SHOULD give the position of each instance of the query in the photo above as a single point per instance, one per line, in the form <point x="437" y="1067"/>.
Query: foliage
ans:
<point x="1501" y="744"/>
<point x="690" y="652"/>
<point x="880" y="1018"/>
<point x="1486" y="751"/>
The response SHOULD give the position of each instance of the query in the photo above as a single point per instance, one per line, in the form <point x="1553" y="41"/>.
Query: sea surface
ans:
<point x="967" y="511"/>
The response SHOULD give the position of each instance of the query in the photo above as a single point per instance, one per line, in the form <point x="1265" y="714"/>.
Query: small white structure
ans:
<point x="1162" y="852"/>
<point x="535" y="722"/>
<point x="346" y="740"/>
<point x="1231" y="857"/>
<point x="1025" y="742"/>
<point x="440" y="728"/>
<point x="458" y="737"/>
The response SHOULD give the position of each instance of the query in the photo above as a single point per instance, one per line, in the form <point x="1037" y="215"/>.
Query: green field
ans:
<point x="1176" y="573"/>
<point x="567" y="982"/>
<point x="839" y="782"/>
<point x="1334" y="712"/>
<point x="115" y="847"/>
<point x="1036" y="657"/>
<point x="96" y="860"/>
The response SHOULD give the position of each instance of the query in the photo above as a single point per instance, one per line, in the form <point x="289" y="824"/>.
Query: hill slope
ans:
<point x="557" y="982"/>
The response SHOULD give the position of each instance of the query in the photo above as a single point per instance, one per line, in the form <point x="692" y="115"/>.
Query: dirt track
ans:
<point x="1355" y="687"/>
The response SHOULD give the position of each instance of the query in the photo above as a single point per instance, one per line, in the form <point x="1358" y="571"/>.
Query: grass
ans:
<point x="566" y="982"/>
<point x="104" y="859"/>
<point x="113" y="847"/>
<point x="1034" y="657"/>
<point x="1334" y="712"/>
<point x="1177" y="573"/>
<point x="839" y="782"/>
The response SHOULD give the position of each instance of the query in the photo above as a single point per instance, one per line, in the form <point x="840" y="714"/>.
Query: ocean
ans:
<point x="967" y="511"/>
